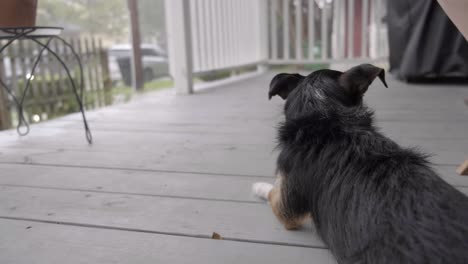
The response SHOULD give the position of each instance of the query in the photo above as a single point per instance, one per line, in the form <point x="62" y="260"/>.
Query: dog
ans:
<point x="371" y="200"/>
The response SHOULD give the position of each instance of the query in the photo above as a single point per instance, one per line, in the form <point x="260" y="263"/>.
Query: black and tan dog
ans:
<point x="371" y="200"/>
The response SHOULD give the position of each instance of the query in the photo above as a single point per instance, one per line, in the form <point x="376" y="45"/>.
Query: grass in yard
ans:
<point x="122" y="93"/>
<point x="158" y="85"/>
<point x="299" y="68"/>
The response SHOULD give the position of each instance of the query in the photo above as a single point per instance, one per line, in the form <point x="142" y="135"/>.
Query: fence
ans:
<point x="50" y="94"/>
<point x="206" y="35"/>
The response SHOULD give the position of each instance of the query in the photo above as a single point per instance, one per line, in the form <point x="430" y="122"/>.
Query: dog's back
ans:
<point x="372" y="201"/>
<point x="388" y="206"/>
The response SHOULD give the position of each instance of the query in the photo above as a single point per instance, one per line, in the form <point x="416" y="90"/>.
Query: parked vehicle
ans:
<point x="154" y="58"/>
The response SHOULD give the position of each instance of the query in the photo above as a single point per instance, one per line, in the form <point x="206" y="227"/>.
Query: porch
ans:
<point x="167" y="171"/>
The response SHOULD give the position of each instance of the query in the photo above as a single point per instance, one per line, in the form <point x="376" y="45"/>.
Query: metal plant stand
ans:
<point x="43" y="36"/>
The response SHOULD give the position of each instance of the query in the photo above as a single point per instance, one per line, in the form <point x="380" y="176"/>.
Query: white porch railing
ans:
<point x="227" y="33"/>
<point x="323" y="31"/>
<point x="207" y="35"/>
<point x="214" y="35"/>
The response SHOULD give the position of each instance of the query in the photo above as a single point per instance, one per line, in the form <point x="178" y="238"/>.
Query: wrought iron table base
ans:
<point x="34" y="34"/>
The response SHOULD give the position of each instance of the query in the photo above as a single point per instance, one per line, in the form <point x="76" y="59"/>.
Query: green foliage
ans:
<point x="50" y="97"/>
<point x="316" y="66"/>
<point x="154" y="85"/>
<point x="215" y="75"/>
<point x="305" y="67"/>
<point x="222" y="74"/>
<point x="105" y="17"/>
<point x="158" y="84"/>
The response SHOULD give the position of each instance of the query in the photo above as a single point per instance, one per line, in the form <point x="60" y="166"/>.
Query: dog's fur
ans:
<point x="371" y="200"/>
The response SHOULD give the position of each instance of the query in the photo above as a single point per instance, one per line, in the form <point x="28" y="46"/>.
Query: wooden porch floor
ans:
<point x="166" y="172"/>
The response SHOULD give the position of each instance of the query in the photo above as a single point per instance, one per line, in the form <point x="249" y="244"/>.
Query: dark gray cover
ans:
<point x="424" y="43"/>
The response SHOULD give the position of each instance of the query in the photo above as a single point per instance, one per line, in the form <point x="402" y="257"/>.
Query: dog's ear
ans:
<point x="356" y="80"/>
<point x="283" y="83"/>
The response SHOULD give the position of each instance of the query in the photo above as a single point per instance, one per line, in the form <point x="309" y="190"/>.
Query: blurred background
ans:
<point x="224" y="39"/>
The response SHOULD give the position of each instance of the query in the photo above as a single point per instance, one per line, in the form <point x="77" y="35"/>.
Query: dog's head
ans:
<point x="324" y="89"/>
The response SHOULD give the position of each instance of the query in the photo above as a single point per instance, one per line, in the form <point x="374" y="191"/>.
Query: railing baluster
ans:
<point x="262" y="26"/>
<point x="299" y="29"/>
<point x="337" y="41"/>
<point x="224" y="33"/>
<point x="210" y="27"/>
<point x="231" y="35"/>
<point x="286" y="29"/>
<point x="324" y="32"/>
<point x="202" y="37"/>
<point x="195" y="34"/>
<point x="237" y="32"/>
<point x="364" y="27"/>
<point x="311" y="29"/>
<point x="215" y="34"/>
<point x="378" y="11"/>
<point x="350" y="29"/>
<point x="246" y="38"/>
<point x="274" y="29"/>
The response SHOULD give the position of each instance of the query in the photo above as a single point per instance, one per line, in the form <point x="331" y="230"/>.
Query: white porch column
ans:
<point x="179" y="43"/>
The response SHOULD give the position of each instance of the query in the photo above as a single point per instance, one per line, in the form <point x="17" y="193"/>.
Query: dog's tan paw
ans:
<point x="262" y="189"/>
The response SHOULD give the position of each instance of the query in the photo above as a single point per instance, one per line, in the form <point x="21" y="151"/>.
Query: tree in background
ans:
<point x="95" y="17"/>
<point x="106" y="18"/>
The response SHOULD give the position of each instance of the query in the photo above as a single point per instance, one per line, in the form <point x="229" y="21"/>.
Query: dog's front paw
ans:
<point x="262" y="189"/>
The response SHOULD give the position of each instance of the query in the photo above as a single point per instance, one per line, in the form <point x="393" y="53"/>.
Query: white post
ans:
<point x="262" y="52"/>
<point x="179" y="41"/>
